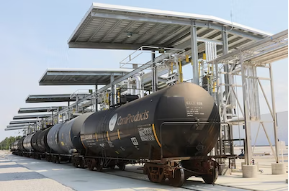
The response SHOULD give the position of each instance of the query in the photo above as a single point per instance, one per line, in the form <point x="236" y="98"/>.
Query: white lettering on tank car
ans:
<point x="146" y="134"/>
<point x="112" y="122"/>
<point x="134" y="141"/>
<point x="194" y="108"/>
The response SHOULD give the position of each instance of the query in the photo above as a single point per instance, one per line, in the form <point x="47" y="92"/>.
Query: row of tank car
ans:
<point x="170" y="131"/>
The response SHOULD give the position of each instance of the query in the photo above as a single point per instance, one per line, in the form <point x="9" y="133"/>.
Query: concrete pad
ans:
<point x="133" y="179"/>
<point x="249" y="171"/>
<point x="256" y="163"/>
<point x="15" y="177"/>
<point x="224" y="170"/>
<point x="278" y="168"/>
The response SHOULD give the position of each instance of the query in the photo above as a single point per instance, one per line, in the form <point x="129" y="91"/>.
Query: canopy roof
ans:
<point x="31" y="116"/>
<point x="52" y="98"/>
<point x="120" y="27"/>
<point x="24" y="121"/>
<point x="38" y="109"/>
<point x="80" y="76"/>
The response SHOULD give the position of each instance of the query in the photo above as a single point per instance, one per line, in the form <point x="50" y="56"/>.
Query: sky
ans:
<point x="34" y="34"/>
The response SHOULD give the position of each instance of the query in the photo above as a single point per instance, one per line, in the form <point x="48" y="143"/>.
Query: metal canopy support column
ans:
<point x="77" y="104"/>
<point x="112" y="90"/>
<point x="274" y="115"/>
<point x="68" y="111"/>
<point x="226" y="66"/>
<point x="154" y="70"/>
<point x="248" y="149"/>
<point x="228" y="131"/>
<point x="96" y="101"/>
<point x="52" y="118"/>
<point x="194" y="48"/>
<point x="219" y="145"/>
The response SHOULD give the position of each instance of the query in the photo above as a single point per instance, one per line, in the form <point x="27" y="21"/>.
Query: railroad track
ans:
<point x="132" y="172"/>
<point x="191" y="184"/>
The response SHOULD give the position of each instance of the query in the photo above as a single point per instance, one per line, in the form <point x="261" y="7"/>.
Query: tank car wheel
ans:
<point x="121" y="166"/>
<point x="99" y="166"/>
<point x="211" y="178"/>
<point x="91" y="164"/>
<point x="155" y="179"/>
<point x="81" y="163"/>
<point x="112" y="167"/>
<point x="54" y="159"/>
<point x="74" y="163"/>
<point x="58" y="159"/>
<point x="178" y="179"/>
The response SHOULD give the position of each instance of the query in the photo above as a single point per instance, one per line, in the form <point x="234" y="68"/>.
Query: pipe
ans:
<point x="128" y="87"/>
<point x="154" y="69"/>
<point x="138" y="91"/>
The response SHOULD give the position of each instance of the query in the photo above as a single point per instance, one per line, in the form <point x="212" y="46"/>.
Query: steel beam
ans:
<point x="165" y="32"/>
<point x="173" y="35"/>
<point x="248" y="149"/>
<point x="30" y="116"/>
<point x="201" y="39"/>
<point x="80" y="32"/>
<point x="177" y="37"/>
<point x="150" y="32"/>
<point x="16" y="128"/>
<point x="96" y="100"/>
<point x="37" y="109"/>
<point x="139" y="18"/>
<point x="112" y="90"/>
<point x="194" y="48"/>
<point x="252" y="45"/>
<point x="154" y="71"/>
<point x="274" y="114"/>
<point x="110" y="30"/>
<point x="18" y="125"/>
<point x="95" y="31"/>
<point x="23" y="121"/>
<point x="103" y="73"/>
<point x="135" y="31"/>
<point x="209" y="34"/>
<point x="123" y="30"/>
<point x="92" y="45"/>
<point x="227" y="89"/>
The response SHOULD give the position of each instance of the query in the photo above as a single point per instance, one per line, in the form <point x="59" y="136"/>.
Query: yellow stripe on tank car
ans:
<point x="118" y="134"/>
<point x="156" y="137"/>
<point x="96" y="137"/>
<point x="107" y="135"/>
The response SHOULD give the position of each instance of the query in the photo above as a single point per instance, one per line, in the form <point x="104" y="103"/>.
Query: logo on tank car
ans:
<point x="112" y="122"/>
<point x="133" y="118"/>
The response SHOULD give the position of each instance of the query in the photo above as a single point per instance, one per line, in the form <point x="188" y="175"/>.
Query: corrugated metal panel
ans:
<point x="80" y="76"/>
<point x="113" y="26"/>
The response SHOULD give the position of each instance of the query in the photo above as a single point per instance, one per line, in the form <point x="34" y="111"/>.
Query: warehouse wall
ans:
<point x="282" y="120"/>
